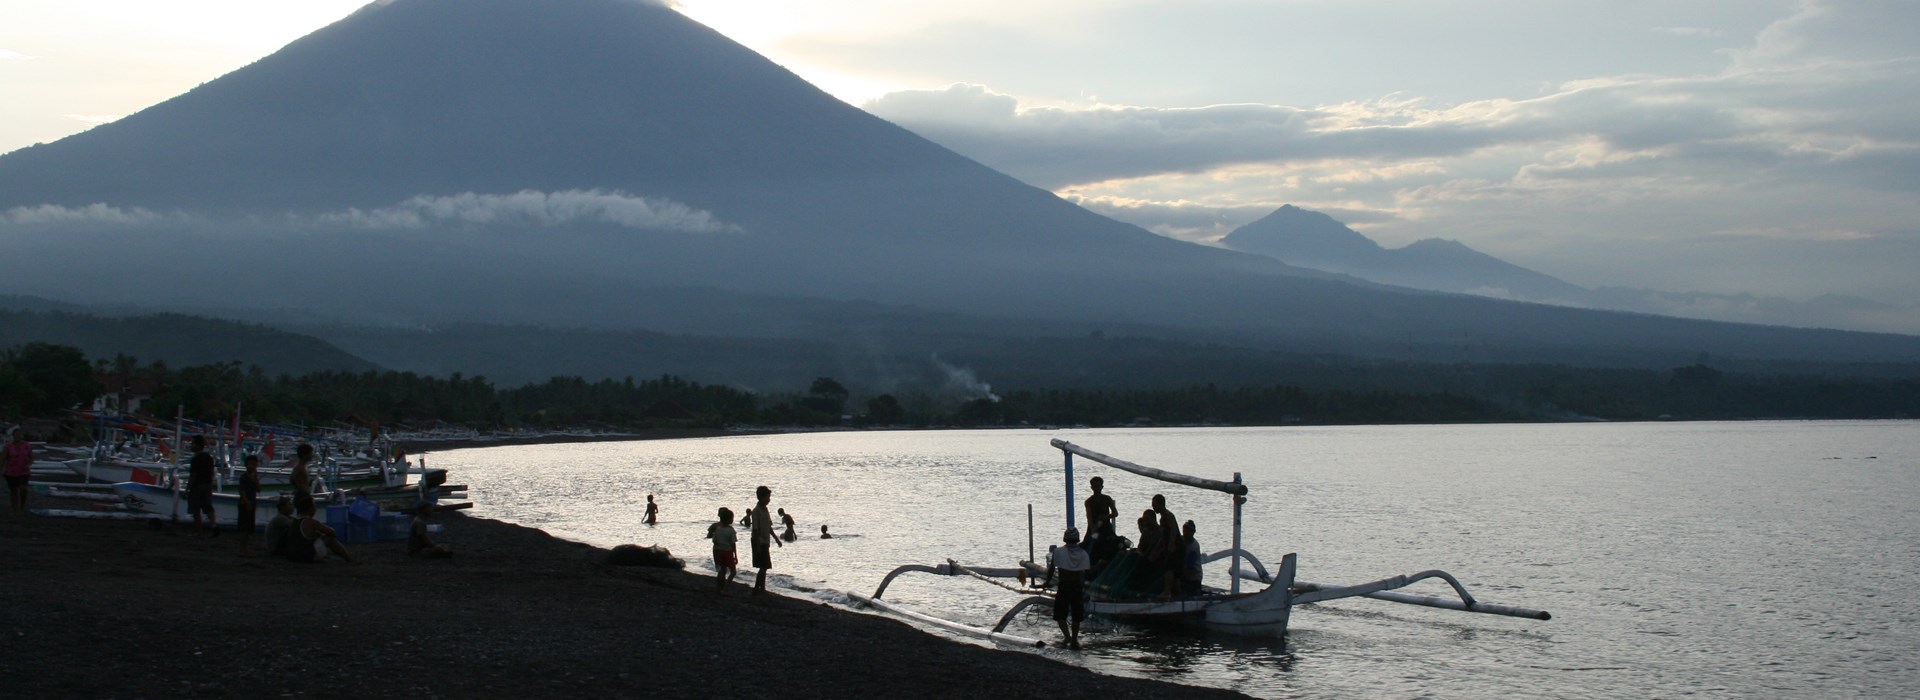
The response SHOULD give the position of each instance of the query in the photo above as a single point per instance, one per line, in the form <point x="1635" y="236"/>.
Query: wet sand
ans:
<point x="117" y="609"/>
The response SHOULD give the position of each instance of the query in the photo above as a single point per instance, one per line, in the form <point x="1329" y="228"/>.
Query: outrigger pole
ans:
<point x="1236" y="488"/>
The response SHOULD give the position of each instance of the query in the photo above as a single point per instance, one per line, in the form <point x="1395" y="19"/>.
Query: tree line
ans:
<point x="43" y="380"/>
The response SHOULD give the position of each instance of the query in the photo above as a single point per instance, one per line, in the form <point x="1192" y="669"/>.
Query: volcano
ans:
<point x="613" y="164"/>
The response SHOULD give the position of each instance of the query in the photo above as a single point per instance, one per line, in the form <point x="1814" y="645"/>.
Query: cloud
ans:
<point x="95" y="119"/>
<point x="1689" y="31"/>
<point x="96" y="213"/>
<point x="1805" y="131"/>
<point x="531" y="208"/>
<point x="6" y="55"/>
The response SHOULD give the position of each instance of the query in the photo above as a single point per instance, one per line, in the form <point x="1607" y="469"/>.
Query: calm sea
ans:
<point x="1769" y="559"/>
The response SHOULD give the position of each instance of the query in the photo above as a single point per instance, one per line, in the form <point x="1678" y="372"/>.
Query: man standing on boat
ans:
<point x="1100" y="507"/>
<point x="1170" y="546"/>
<point x="1070" y="563"/>
<point x="762" y="539"/>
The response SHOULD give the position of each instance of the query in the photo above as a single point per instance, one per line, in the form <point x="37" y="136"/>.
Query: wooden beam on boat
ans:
<point x="1150" y="472"/>
<point x="92" y="514"/>
<point x="949" y="625"/>
<point x="1435" y="602"/>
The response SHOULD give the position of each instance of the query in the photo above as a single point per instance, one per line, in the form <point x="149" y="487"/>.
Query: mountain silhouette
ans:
<point x="612" y="164"/>
<point x="1313" y="239"/>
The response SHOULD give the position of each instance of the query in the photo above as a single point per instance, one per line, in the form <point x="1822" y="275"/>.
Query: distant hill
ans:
<point x="610" y="165"/>
<point x="177" y="340"/>
<point x="1313" y="239"/>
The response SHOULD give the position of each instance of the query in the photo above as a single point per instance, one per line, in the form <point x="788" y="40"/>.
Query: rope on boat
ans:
<point x="970" y="572"/>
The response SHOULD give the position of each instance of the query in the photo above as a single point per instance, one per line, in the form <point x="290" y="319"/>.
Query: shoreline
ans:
<point x="425" y="446"/>
<point x="514" y="611"/>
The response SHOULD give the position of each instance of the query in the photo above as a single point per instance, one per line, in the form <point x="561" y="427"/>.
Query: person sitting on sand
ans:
<point x="419" y="544"/>
<point x="1069" y="597"/>
<point x="726" y="560"/>
<point x="277" y="528"/>
<point x="824" y="534"/>
<point x="653" y="511"/>
<point x="310" y="540"/>
<point x="788" y="521"/>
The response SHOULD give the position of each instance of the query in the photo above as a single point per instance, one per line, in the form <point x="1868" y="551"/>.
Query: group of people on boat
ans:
<point x="1165" y="563"/>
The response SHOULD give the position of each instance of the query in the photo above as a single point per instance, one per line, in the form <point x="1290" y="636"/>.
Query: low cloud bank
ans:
<point x="96" y="213"/>
<point x="536" y="209"/>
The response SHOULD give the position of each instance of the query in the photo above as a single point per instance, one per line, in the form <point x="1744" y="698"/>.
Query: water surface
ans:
<point x="1773" y="559"/>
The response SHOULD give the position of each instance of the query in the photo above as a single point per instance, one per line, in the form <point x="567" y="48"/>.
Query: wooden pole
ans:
<point x="1238" y="502"/>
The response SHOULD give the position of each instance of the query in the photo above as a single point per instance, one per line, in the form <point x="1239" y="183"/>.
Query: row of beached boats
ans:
<point x="136" y="470"/>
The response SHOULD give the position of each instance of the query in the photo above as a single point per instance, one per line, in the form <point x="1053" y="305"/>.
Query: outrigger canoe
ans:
<point x="1262" y="612"/>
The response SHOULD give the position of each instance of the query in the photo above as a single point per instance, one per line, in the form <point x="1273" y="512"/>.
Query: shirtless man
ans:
<point x="762" y="536"/>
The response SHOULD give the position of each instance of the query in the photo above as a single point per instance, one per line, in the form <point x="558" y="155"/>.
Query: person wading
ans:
<point x="762" y="539"/>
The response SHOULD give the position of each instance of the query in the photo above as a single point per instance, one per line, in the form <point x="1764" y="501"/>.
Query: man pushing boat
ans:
<point x="1070" y="594"/>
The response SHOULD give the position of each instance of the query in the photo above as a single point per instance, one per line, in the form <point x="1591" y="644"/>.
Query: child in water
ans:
<point x="725" y="561"/>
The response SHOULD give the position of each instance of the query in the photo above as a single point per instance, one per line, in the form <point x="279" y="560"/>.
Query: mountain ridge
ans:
<point x="582" y="162"/>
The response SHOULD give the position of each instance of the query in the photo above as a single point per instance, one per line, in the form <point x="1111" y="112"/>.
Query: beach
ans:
<point x="113" y="609"/>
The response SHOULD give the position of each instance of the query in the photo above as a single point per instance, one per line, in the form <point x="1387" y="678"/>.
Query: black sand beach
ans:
<point x="117" y="609"/>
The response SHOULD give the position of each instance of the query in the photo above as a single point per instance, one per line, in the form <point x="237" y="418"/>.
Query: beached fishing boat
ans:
<point x="1262" y="612"/>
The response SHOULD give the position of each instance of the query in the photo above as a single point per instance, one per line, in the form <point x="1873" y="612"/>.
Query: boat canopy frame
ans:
<point x="1235" y="488"/>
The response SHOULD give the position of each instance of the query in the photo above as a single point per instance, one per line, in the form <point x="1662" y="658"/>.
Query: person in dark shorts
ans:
<point x="200" y="485"/>
<point x="249" y="487"/>
<point x="1067" y="567"/>
<point x="762" y="539"/>
<point x="18" y="461"/>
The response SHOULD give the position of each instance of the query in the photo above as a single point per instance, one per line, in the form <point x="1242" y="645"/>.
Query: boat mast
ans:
<point x="1069" y="484"/>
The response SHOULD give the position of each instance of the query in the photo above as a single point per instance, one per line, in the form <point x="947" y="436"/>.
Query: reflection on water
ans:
<point x="1773" y="559"/>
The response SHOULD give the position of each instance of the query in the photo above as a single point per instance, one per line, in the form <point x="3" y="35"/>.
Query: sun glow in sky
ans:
<point x="1710" y="145"/>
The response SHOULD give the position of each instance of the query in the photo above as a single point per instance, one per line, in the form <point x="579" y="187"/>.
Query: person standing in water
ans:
<point x="1070" y="564"/>
<point x="653" y="511"/>
<point x="762" y="539"/>
<point x="787" y="520"/>
<point x="726" y="560"/>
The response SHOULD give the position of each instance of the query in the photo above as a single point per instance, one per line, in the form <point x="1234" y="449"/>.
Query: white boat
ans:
<point x="1262" y="612"/>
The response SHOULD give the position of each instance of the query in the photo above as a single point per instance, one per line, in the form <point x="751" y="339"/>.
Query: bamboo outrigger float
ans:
<point x="1263" y="612"/>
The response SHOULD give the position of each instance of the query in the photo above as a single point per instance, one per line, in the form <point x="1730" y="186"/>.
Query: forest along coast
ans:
<point x="514" y="612"/>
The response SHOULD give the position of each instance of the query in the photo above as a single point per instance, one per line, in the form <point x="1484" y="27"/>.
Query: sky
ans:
<point x="1763" y="146"/>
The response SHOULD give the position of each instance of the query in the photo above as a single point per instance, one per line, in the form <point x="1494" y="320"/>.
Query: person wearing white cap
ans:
<point x="1070" y="596"/>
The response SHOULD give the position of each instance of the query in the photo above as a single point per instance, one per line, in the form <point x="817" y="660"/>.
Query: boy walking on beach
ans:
<point x="725" y="557"/>
<point x="762" y="539"/>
